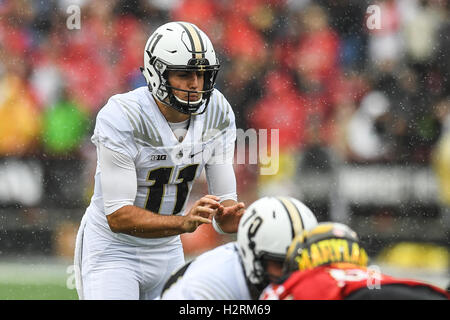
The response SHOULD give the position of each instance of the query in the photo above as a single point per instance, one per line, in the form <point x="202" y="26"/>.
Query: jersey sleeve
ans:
<point x="118" y="179"/>
<point x="221" y="181"/>
<point x="219" y="168"/>
<point x="114" y="131"/>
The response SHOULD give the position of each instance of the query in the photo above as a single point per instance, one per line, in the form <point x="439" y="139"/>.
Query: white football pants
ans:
<point x="118" y="271"/>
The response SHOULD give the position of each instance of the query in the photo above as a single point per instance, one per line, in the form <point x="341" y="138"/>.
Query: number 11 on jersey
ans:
<point x="160" y="178"/>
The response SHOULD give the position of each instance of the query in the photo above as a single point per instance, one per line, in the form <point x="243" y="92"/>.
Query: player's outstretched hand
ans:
<point x="228" y="216"/>
<point x="201" y="212"/>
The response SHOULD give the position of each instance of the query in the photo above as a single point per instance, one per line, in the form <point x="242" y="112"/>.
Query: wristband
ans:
<point x="216" y="226"/>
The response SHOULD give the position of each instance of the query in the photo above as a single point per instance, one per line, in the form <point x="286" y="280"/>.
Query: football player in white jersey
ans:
<point x="241" y="270"/>
<point x="152" y="143"/>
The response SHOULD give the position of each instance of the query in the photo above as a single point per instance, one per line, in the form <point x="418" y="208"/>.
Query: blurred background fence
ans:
<point x="363" y="112"/>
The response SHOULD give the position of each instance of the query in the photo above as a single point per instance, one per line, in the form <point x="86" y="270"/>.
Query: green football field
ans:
<point x="36" y="281"/>
<point x="54" y="280"/>
<point x="44" y="291"/>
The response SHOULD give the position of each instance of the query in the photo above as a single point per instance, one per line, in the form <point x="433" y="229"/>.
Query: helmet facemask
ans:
<point x="268" y="277"/>
<point x="191" y="107"/>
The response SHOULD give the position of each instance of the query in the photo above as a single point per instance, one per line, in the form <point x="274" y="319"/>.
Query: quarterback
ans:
<point x="152" y="143"/>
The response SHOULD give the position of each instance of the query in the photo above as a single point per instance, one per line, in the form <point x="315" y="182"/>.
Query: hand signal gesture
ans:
<point x="201" y="212"/>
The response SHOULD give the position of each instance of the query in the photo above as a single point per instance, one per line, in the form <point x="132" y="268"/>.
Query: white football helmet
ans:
<point x="266" y="230"/>
<point x="180" y="46"/>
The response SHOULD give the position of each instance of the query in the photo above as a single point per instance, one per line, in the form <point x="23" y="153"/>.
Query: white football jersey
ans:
<point x="214" y="275"/>
<point x="132" y="124"/>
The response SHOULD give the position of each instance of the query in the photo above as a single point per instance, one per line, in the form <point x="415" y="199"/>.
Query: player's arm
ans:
<point x="222" y="183"/>
<point x="142" y="223"/>
<point x="119" y="188"/>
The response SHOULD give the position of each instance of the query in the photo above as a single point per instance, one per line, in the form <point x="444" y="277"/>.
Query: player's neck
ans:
<point x="171" y="114"/>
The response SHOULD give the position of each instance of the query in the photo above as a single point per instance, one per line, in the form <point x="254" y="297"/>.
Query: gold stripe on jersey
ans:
<point x="216" y="119"/>
<point x="154" y="132"/>
<point x="141" y="132"/>
<point x="225" y="119"/>
<point x="217" y="115"/>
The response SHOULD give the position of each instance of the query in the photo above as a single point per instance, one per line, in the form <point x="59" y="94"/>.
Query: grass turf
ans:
<point x="36" y="280"/>
<point x="44" y="291"/>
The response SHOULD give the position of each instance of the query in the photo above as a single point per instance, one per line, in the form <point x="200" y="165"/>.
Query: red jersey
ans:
<point x="334" y="282"/>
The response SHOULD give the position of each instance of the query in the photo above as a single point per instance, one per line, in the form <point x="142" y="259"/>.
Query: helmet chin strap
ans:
<point x="187" y="102"/>
<point x="166" y="102"/>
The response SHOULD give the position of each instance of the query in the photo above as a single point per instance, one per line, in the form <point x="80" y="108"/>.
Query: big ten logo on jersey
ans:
<point x="158" y="157"/>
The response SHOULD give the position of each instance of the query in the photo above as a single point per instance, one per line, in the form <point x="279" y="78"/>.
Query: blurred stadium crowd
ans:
<point x="337" y="90"/>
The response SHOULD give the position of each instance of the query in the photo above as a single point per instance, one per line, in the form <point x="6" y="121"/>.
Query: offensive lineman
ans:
<point x="152" y="143"/>
<point x="241" y="270"/>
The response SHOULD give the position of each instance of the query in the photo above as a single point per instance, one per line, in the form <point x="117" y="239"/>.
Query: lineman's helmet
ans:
<point x="266" y="230"/>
